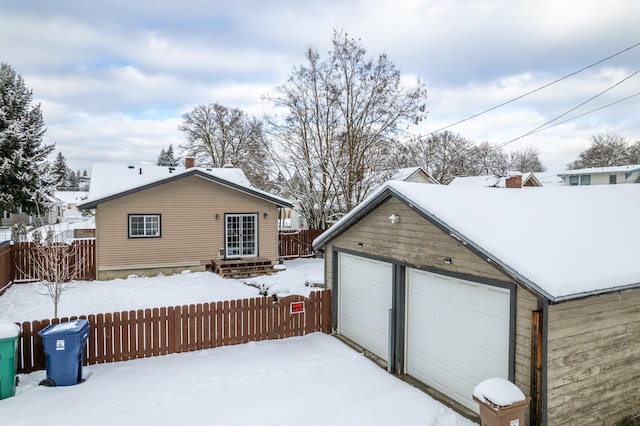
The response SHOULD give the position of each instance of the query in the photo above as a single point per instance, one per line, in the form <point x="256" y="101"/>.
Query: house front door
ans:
<point x="241" y="235"/>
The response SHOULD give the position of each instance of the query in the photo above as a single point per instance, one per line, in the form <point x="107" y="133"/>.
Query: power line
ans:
<point x="535" y="90"/>
<point x="587" y="113"/>
<point x="569" y="111"/>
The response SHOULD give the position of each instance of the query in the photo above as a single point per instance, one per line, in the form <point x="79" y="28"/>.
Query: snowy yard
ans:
<point x="28" y="302"/>
<point x="310" y="380"/>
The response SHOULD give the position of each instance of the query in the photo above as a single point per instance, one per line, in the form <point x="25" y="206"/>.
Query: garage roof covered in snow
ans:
<point x="563" y="242"/>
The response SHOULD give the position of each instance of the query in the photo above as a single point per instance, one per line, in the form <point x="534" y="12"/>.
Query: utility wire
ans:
<point x="535" y="90"/>
<point x="586" y="113"/>
<point x="567" y="112"/>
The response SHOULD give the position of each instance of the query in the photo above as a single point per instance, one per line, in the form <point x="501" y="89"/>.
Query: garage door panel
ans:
<point x="365" y="288"/>
<point x="457" y="333"/>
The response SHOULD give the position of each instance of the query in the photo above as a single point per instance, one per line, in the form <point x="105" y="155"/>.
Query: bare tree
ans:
<point x="216" y="135"/>
<point x="340" y="116"/>
<point x="633" y="153"/>
<point x="54" y="264"/>
<point x="444" y="155"/>
<point x="526" y="161"/>
<point x="487" y="159"/>
<point x="607" y="149"/>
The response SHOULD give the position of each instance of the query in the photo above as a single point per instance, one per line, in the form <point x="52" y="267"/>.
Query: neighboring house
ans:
<point x="454" y="285"/>
<point x="70" y="201"/>
<point x="549" y="178"/>
<point x="602" y="175"/>
<point x="414" y="174"/>
<point x="512" y="180"/>
<point x="52" y="215"/>
<point x="152" y="219"/>
<point x="290" y="220"/>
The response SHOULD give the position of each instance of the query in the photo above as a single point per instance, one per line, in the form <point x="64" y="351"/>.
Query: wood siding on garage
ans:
<point x="190" y="233"/>
<point x="413" y="241"/>
<point x="584" y="362"/>
<point x="416" y="242"/>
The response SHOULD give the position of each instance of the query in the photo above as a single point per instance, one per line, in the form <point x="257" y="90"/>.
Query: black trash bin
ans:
<point x="64" y="351"/>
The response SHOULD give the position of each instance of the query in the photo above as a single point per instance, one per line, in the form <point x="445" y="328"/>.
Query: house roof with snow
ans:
<point x="561" y="242"/>
<point x="631" y="168"/>
<point x="491" y="181"/>
<point x="109" y="181"/>
<point x="71" y="197"/>
<point x="549" y="178"/>
<point x="410" y="173"/>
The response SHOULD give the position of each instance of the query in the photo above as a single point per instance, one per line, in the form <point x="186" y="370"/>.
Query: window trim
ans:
<point x="613" y="179"/>
<point x="574" y="180"/>
<point x="585" y="180"/>
<point x="144" y="215"/>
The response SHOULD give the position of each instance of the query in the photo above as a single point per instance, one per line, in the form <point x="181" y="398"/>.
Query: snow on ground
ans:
<point x="29" y="302"/>
<point x="310" y="380"/>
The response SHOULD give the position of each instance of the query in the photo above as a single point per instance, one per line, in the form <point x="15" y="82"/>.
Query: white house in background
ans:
<point x="70" y="201"/>
<point x="512" y="180"/>
<point x="602" y="175"/>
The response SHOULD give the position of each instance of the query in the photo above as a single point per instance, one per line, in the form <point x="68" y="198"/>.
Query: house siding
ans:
<point x="416" y="242"/>
<point x="584" y="361"/>
<point x="190" y="234"/>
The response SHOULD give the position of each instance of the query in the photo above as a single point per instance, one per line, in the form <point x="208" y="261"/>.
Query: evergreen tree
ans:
<point x="59" y="171"/>
<point x="72" y="183"/>
<point x="25" y="179"/>
<point x="167" y="158"/>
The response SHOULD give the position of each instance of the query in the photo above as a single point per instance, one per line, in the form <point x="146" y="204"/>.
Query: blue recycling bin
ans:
<point x="64" y="351"/>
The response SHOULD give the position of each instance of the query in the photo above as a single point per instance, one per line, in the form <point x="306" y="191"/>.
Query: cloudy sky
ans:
<point x="114" y="78"/>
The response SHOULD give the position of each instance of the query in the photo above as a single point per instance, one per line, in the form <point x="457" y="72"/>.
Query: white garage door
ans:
<point x="365" y="288"/>
<point x="457" y="333"/>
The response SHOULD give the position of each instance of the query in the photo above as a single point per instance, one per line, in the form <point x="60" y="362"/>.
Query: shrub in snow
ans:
<point x="54" y="264"/>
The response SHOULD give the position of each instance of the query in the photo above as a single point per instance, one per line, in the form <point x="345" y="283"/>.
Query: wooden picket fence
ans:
<point x="6" y="266"/>
<point x="294" y="244"/>
<point x="122" y="336"/>
<point x="83" y="254"/>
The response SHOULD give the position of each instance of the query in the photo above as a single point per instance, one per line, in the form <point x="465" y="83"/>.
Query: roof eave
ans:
<point x="195" y="172"/>
<point x="361" y="211"/>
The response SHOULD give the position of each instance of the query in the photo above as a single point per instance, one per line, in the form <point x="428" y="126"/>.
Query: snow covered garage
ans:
<point x="453" y="285"/>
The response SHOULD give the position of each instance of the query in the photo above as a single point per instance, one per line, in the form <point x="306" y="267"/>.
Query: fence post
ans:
<point x="12" y="260"/>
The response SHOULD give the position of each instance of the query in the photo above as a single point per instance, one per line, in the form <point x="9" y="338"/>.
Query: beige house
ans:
<point x="453" y="285"/>
<point x="414" y="174"/>
<point x="152" y="219"/>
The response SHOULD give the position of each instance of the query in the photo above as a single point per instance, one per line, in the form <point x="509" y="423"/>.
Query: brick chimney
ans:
<point x="189" y="162"/>
<point x="514" y="181"/>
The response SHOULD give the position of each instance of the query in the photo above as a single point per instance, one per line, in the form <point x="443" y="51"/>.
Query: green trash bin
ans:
<point x="9" y="333"/>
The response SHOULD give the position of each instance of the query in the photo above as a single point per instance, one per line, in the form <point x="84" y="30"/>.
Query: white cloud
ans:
<point x="114" y="78"/>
